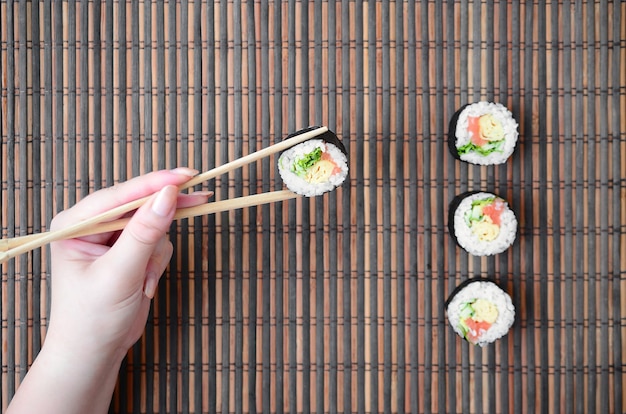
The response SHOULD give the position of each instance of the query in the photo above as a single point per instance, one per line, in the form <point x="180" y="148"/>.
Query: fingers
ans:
<point x="139" y="255"/>
<point x="163" y="251"/>
<point x="109" y="198"/>
<point x="130" y="255"/>
<point x="193" y="199"/>
<point x="156" y="266"/>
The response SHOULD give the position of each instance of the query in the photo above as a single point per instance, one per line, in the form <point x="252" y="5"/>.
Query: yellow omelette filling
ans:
<point x="320" y="172"/>
<point x="485" y="230"/>
<point x="484" y="311"/>
<point x="490" y="128"/>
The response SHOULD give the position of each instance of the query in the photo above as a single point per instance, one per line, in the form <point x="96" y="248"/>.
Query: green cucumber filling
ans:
<point x="302" y="164"/>
<point x="465" y="313"/>
<point x="488" y="148"/>
<point x="475" y="213"/>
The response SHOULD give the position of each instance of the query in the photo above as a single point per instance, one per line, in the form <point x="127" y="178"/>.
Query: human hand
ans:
<point x="102" y="286"/>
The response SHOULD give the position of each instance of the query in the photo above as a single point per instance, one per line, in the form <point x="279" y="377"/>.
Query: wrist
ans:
<point x="66" y="381"/>
<point x="83" y="351"/>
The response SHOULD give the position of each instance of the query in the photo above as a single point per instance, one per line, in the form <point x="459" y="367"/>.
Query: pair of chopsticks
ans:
<point x="105" y="222"/>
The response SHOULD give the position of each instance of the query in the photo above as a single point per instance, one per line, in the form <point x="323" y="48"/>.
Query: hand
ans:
<point x="102" y="286"/>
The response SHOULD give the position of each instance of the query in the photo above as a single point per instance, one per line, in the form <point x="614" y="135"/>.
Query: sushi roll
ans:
<point x="482" y="133"/>
<point x="479" y="311"/>
<point x="482" y="223"/>
<point x="315" y="166"/>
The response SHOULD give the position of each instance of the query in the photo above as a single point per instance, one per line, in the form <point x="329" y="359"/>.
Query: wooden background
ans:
<point x="332" y="304"/>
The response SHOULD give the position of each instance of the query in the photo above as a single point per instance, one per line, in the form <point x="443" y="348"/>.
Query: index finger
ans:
<point x="121" y="194"/>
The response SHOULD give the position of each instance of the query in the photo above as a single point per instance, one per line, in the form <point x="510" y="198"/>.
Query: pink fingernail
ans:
<point x="165" y="201"/>
<point x="188" y="172"/>
<point x="150" y="288"/>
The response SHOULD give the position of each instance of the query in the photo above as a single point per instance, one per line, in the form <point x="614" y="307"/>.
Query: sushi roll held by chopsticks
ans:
<point x="315" y="166"/>
<point x="479" y="311"/>
<point x="482" y="133"/>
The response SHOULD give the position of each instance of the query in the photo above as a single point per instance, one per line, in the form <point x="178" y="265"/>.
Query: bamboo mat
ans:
<point x="333" y="304"/>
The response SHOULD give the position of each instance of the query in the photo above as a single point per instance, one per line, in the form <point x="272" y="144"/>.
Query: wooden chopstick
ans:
<point x="35" y="241"/>
<point x="38" y="240"/>
<point x="255" y="156"/>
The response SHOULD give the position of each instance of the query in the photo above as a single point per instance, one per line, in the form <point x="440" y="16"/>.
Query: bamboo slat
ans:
<point x="332" y="304"/>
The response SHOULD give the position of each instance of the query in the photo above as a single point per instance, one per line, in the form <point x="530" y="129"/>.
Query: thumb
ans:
<point x="132" y="251"/>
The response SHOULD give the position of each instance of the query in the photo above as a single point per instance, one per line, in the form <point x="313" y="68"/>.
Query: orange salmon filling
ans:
<point x="474" y="128"/>
<point x="494" y="211"/>
<point x="484" y="129"/>
<point x="476" y="329"/>
<point x="326" y="157"/>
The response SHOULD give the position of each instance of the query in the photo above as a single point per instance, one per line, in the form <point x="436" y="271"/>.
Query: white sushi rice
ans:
<point x="509" y="125"/>
<point x="470" y="241"/>
<point x="300" y="186"/>
<point x="489" y="291"/>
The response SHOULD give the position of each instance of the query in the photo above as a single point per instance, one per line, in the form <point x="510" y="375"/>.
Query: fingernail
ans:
<point x="165" y="201"/>
<point x="150" y="287"/>
<point x="188" y="172"/>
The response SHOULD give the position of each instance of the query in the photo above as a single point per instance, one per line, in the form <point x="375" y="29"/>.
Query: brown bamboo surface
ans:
<point x="332" y="304"/>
